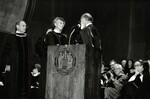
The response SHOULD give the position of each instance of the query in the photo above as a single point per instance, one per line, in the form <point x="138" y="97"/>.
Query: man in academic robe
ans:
<point x="89" y="33"/>
<point x="90" y="36"/>
<point x="17" y="59"/>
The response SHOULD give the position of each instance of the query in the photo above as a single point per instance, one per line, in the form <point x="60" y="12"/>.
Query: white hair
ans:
<point x="118" y="66"/>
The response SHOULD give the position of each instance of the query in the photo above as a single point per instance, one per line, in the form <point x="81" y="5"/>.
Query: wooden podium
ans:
<point x="73" y="72"/>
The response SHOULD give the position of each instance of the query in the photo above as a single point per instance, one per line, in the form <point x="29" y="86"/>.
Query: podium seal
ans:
<point x="65" y="61"/>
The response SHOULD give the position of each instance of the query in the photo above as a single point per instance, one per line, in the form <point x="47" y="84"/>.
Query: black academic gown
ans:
<point x="54" y="38"/>
<point x="91" y="38"/>
<point x="17" y="53"/>
<point x="74" y="36"/>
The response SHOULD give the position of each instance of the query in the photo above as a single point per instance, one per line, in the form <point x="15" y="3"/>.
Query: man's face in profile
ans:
<point x="83" y="22"/>
<point x="21" y="27"/>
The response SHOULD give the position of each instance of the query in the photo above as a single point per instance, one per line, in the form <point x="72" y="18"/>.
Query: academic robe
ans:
<point x="54" y="38"/>
<point x="18" y="54"/>
<point x="75" y="36"/>
<point x="91" y="38"/>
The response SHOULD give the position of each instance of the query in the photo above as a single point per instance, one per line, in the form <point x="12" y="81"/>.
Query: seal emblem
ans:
<point x="65" y="61"/>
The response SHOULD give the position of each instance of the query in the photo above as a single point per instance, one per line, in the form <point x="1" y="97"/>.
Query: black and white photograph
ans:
<point x="74" y="49"/>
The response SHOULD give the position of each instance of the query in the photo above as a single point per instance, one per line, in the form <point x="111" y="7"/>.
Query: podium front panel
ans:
<point x="65" y="78"/>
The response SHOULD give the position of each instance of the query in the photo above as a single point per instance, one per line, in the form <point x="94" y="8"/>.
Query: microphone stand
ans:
<point x="71" y="36"/>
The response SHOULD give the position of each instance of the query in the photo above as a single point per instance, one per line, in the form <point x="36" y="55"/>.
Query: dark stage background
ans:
<point x="123" y="25"/>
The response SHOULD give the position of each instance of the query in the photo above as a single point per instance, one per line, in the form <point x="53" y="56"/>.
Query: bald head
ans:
<point x="87" y="16"/>
<point x="86" y="19"/>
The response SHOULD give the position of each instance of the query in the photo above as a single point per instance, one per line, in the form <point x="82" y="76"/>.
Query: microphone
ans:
<point x="76" y="26"/>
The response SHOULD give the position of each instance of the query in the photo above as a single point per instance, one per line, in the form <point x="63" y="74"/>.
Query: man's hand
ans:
<point x="1" y="83"/>
<point x="7" y="68"/>
<point x="137" y="71"/>
<point x="49" y="30"/>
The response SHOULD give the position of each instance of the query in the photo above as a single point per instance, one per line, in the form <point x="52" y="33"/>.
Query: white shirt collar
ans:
<point x="19" y="32"/>
<point x="88" y="24"/>
<point x="141" y="77"/>
<point x="22" y="34"/>
<point x="57" y="31"/>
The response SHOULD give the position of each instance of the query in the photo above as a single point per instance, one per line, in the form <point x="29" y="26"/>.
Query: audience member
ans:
<point x="123" y="63"/>
<point x="116" y="83"/>
<point x="138" y="85"/>
<point x="129" y="68"/>
<point x="35" y="74"/>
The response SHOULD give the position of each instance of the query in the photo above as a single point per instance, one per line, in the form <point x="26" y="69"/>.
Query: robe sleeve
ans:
<point x="7" y="51"/>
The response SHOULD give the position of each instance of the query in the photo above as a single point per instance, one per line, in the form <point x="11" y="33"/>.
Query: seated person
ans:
<point x="116" y="82"/>
<point x="35" y="76"/>
<point x="138" y="85"/>
<point x="106" y="72"/>
<point x="35" y="82"/>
